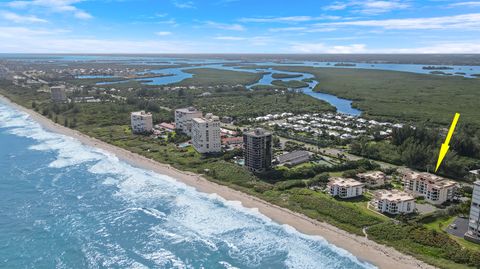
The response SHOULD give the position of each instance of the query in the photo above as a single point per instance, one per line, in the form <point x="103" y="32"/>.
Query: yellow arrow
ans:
<point x="445" y="145"/>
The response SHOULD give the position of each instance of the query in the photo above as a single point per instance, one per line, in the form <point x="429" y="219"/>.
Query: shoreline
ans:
<point x="361" y="247"/>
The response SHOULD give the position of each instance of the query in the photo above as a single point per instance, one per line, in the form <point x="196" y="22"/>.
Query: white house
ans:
<point x="206" y="136"/>
<point x="344" y="187"/>
<point x="183" y="119"/>
<point x="141" y="122"/>
<point x="393" y="202"/>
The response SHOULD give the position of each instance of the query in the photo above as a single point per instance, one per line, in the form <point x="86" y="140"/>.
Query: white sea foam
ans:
<point x="206" y="219"/>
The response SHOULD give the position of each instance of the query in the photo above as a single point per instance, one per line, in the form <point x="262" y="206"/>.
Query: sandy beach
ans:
<point x="363" y="248"/>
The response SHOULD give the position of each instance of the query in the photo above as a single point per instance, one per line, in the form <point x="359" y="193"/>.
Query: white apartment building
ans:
<point x="141" y="122"/>
<point x="344" y="187"/>
<point x="393" y="202"/>
<point x="206" y="136"/>
<point x="372" y="179"/>
<point x="436" y="190"/>
<point x="473" y="233"/>
<point x="58" y="93"/>
<point x="183" y="119"/>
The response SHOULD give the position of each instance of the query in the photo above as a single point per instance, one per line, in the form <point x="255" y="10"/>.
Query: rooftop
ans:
<point x="430" y="178"/>
<point x="258" y="132"/>
<point x="393" y="195"/>
<point x="344" y="182"/>
<point x="190" y="109"/>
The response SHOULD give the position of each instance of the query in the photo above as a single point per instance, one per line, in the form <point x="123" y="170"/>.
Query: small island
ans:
<point x="432" y="67"/>
<point x="283" y="75"/>
<point x="290" y="84"/>
<point x="344" y="64"/>
<point x="440" y="73"/>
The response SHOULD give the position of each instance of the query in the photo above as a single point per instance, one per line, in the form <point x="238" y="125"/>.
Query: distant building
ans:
<point x="372" y="179"/>
<point x="294" y="157"/>
<point x="238" y="140"/>
<point x="393" y="202"/>
<point x="436" y="190"/>
<point x="206" y="134"/>
<point x="141" y="122"/>
<point x="345" y="187"/>
<point x="183" y="119"/>
<point x="474" y="174"/>
<point x="58" y="93"/>
<point x="473" y="233"/>
<point x="258" y="150"/>
<point x="169" y="127"/>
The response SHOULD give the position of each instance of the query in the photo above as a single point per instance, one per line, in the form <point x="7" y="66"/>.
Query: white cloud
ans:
<point x="230" y="38"/>
<point x="440" y="47"/>
<point x="163" y="33"/>
<point x="466" y="4"/>
<point x="59" y="6"/>
<point x="322" y="48"/>
<point x="289" y="19"/>
<point x="371" y="7"/>
<point x="225" y="26"/>
<point x="462" y="22"/>
<point x="184" y="4"/>
<point x="16" y="18"/>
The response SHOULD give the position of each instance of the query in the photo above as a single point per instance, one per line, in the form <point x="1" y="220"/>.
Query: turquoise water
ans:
<point x="67" y="205"/>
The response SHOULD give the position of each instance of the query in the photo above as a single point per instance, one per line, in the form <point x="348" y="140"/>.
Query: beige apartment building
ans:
<point x="141" y="122"/>
<point x="372" y="179"/>
<point x="206" y="134"/>
<point x="345" y="187"/>
<point x="183" y="119"/>
<point x="436" y="190"/>
<point x="393" y="202"/>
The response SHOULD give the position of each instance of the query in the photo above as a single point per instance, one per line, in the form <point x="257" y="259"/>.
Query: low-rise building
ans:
<point x="169" y="127"/>
<point x="229" y="141"/>
<point x="473" y="233"/>
<point x="293" y="158"/>
<point x="372" y="179"/>
<point x="436" y="190"/>
<point x="141" y="122"/>
<point x="206" y="134"/>
<point x="393" y="202"/>
<point x="183" y="119"/>
<point x="58" y="93"/>
<point x="345" y="187"/>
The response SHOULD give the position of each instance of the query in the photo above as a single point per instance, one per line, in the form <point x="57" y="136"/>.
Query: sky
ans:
<point x="239" y="26"/>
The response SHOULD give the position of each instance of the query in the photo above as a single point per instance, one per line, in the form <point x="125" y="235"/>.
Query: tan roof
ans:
<point x="432" y="179"/>
<point x="393" y="195"/>
<point x="344" y="182"/>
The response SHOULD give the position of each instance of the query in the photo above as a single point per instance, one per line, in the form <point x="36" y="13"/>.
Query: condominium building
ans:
<point x="258" y="150"/>
<point x="436" y="190"/>
<point x="372" y="179"/>
<point x="206" y="134"/>
<point x="345" y="187"/>
<point x="141" y="122"/>
<point x="183" y="119"/>
<point x="473" y="233"/>
<point x="393" y="202"/>
<point x="58" y="93"/>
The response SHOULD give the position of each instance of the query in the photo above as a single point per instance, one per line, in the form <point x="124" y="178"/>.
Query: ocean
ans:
<point x="67" y="205"/>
